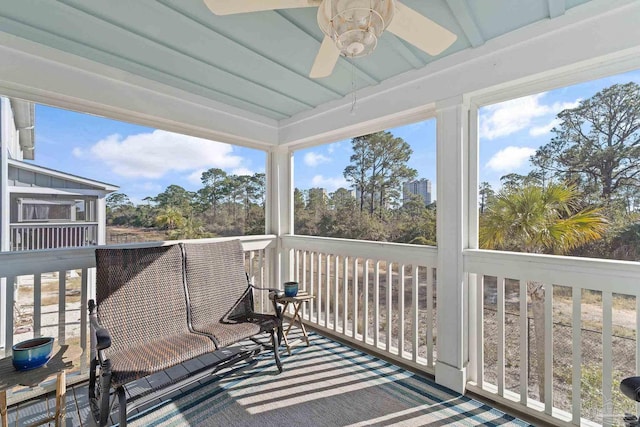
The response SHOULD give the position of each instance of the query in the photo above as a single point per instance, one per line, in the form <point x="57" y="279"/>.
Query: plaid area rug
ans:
<point x="326" y="384"/>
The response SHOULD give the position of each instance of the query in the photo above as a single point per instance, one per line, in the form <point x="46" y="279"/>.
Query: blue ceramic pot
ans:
<point x="32" y="354"/>
<point x="290" y="289"/>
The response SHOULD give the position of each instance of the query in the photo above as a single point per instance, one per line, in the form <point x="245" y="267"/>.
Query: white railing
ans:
<point x="46" y="292"/>
<point x="378" y="295"/>
<point x="36" y="236"/>
<point x="591" y="309"/>
<point x="381" y="296"/>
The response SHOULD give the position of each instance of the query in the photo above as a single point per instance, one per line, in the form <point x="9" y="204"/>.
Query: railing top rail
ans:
<point x="587" y="273"/>
<point x="395" y="252"/>
<point x="52" y="224"/>
<point x="42" y="261"/>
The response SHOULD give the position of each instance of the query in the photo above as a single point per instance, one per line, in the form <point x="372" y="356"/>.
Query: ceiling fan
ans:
<point x="352" y="27"/>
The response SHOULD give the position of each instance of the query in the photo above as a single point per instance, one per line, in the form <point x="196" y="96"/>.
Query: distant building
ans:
<point x="421" y="187"/>
<point x="318" y="193"/>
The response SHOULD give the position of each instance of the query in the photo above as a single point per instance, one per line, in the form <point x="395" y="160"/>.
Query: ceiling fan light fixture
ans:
<point x="356" y="43"/>
<point x="355" y="25"/>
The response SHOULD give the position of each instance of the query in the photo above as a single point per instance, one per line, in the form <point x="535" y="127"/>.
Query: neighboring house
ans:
<point x="43" y="208"/>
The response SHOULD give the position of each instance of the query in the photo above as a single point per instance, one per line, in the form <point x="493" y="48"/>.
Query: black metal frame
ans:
<point x="100" y="402"/>
<point x="101" y="340"/>
<point x="630" y="387"/>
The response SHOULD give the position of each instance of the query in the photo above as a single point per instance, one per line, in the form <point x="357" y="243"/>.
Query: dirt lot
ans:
<point x="116" y="235"/>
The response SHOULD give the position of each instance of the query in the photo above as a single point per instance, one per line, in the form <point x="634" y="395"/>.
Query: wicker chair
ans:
<point x="215" y="272"/>
<point x="142" y="323"/>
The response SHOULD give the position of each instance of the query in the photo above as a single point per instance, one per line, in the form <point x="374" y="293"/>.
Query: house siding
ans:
<point x="22" y="178"/>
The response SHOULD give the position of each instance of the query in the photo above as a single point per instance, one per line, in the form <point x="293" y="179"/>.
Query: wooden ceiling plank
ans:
<point x="463" y="15"/>
<point x="556" y="8"/>
<point x="402" y="49"/>
<point x="128" y="66"/>
<point x="342" y="61"/>
<point x="284" y="68"/>
<point x="117" y="26"/>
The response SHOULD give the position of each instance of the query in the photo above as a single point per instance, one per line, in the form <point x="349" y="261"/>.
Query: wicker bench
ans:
<point x="158" y="307"/>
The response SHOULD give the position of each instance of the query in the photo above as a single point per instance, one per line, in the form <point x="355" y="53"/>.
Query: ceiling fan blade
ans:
<point x="420" y="31"/>
<point x="325" y="60"/>
<point x="230" y="7"/>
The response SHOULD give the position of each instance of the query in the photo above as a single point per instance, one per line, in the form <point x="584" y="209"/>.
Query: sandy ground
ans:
<point x="50" y="319"/>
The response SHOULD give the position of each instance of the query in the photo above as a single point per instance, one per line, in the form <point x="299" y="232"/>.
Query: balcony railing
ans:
<point x="589" y="315"/>
<point x="378" y="295"/>
<point x="382" y="297"/>
<point x="37" y="236"/>
<point x="48" y="291"/>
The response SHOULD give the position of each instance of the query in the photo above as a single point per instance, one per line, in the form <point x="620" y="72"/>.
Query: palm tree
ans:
<point x="170" y="218"/>
<point x="547" y="220"/>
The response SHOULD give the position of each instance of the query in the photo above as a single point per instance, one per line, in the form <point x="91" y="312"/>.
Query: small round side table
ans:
<point x="297" y="303"/>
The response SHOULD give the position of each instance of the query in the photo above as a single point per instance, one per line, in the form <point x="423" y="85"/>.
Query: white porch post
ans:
<point x="5" y="217"/>
<point x="473" y="221"/>
<point x="5" y="212"/>
<point x="279" y="210"/>
<point x="452" y="214"/>
<point x="101" y="218"/>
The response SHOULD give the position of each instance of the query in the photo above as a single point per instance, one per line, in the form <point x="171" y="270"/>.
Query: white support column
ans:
<point x="6" y="118"/>
<point x="279" y="210"/>
<point x="473" y="222"/>
<point x="453" y="229"/>
<point x="101" y="218"/>
<point x="5" y="212"/>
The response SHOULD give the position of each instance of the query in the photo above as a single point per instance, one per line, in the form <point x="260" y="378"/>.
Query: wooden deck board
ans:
<point x="81" y="398"/>
<point x="77" y="400"/>
<point x="35" y="411"/>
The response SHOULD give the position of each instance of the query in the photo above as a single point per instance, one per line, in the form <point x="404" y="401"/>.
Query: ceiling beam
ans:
<point x="463" y="15"/>
<point x="556" y="8"/>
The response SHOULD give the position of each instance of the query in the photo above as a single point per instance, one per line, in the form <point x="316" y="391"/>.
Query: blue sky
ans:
<point x="144" y="161"/>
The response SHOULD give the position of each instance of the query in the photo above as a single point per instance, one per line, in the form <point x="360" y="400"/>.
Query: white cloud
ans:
<point x="333" y="147"/>
<point x="147" y="186"/>
<point x="313" y="159"/>
<point x="242" y="171"/>
<point x="508" y="117"/>
<point x="544" y="129"/>
<point x="331" y="184"/>
<point x="510" y="158"/>
<point x="559" y="106"/>
<point x="152" y="155"/>
<point x="196" y="176"/>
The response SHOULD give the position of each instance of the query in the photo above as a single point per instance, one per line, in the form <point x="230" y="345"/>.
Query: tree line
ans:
<point x="590" y="167"/>
<point x="226" y="204"/>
